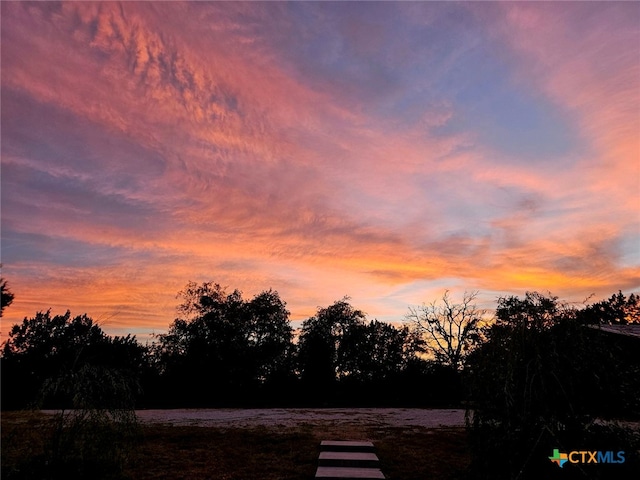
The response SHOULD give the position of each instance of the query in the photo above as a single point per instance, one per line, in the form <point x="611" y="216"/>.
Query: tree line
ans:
<point x="225" y="350"/>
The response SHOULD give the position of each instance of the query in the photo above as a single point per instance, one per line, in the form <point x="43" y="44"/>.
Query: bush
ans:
<point x="537" y="384"/>
<point x="92" y="440"/>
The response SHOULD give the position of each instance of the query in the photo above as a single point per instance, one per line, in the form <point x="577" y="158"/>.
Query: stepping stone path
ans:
<point x="348" y="460"/>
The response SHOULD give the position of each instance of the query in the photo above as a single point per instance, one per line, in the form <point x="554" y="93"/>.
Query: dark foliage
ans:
<point x="537" y="365"/>
<point x="6" y="297"/>
<point x="539" y="382"/>
<point x="616" y="310"/>
<point x="343" y="360"/>
<point x="45" y="349"/>
<point x="91" y="441"/>
<point x="321" y="349"/>
<point x="70" y="364"/>
<point x="226" y="349"/>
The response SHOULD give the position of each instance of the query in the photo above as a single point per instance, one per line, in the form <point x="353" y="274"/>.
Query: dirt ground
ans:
<point x="263" y="444"/>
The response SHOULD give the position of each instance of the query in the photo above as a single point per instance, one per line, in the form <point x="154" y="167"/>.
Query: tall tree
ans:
<point x="269" y="334"/>
<point x="449" y="329"/>
<point x="225" y="344"/>
<point x="320" y="342"/>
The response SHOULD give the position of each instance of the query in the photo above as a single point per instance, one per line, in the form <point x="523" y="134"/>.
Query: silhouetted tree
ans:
<point x="342" y="359"/>
<point x="225" y="346"/>
<point x="6" y="297"/>
<point x="200" y="299"/>
<point x="320" y="341"/>
<point x="616" y="310"/>
<point x="449" y="329"/>
<point x="376" y="351"/>
<point x="45" y="348"/>
<point x="269" y="335"/>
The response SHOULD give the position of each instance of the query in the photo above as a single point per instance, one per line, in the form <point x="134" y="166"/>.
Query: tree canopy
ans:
<point x="6" y="296"/>
<point x="225" y="344"/>
<point x="45" y="349"/>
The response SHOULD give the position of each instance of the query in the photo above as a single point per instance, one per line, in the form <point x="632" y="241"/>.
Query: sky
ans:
<point x="384" y="151"/>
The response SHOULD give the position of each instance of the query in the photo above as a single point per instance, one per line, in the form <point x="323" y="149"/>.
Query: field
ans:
<point x="265" y="452"/>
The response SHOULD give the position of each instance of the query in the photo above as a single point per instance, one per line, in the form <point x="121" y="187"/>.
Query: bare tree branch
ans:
<point x="449" y="329"/>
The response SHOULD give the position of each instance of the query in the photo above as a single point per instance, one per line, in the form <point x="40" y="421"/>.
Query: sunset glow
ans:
<point x="384" y="151"/>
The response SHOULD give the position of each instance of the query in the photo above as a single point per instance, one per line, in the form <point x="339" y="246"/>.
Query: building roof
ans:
<point x="626" y="330"/>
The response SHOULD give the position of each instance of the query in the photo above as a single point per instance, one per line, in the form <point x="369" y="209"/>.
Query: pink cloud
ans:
<point x="265" y="180"/>
<point x="590" y="68"/>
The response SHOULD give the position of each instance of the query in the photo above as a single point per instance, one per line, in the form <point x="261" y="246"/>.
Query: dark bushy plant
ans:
<point x="537" y="384"/>
<point x="94" y="438"/>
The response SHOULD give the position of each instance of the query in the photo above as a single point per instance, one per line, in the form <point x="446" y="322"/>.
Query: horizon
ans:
<point x="382" y="151"/>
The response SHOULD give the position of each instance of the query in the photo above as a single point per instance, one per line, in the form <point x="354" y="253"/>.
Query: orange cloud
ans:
<point x="188" y="142"/>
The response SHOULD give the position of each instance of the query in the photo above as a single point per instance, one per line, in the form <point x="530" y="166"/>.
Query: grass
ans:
<point x="260" y="453"/>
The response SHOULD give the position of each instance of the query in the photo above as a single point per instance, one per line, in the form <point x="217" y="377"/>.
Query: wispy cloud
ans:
<point x="384" y="151"/>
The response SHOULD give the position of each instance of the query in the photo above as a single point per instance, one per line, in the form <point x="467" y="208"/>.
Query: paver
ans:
<point x="344" y="473"/>
<point x="348" y="460"/>
<point x="346" y="446"/>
